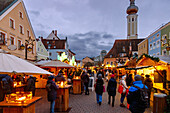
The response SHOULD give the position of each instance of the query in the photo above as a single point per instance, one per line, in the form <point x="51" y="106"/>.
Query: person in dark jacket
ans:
<point x="99" y="89"/>
<point x="148" y="82"/>
<point x="60" y="77"/>
<point x="31" y="84"/>
<point x="52" y="92"/>
<point x="111" y="89"/>
<point x="85" y="79"/>
<point x="133" y="96"/>
<point x="100" y="72"/>
<point x="129" y="80"/>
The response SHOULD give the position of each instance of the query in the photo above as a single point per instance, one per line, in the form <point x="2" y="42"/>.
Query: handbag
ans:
<point x="120" y="89"/>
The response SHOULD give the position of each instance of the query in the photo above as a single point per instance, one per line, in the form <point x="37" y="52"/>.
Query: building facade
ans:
<point x="165" y="37"/>
<point x="87" y="60"/>
<point x="42" y="53"/>
<point x="143" y="47"/>
<point x="154" y="45"/>
<point x="15" y="29"/>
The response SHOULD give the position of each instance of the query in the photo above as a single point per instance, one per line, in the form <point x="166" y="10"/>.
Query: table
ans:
<point x="62" y="101"/>
<point x="27" y="107"/>
<point x="76" y="86"/>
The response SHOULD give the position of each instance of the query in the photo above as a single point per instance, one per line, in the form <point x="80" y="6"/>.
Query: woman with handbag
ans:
<point x="123" y="94"/>
<point x="99" y="89"/>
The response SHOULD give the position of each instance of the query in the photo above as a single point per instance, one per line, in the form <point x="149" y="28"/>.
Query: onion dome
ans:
<point x="132" y="9"/>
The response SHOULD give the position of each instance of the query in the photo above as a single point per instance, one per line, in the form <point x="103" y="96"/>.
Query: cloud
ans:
<point x="90" y="43"/>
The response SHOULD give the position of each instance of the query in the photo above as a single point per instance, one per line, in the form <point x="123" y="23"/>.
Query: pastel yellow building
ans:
<point x="15" y="29"/>
<point x="143" y="47"/>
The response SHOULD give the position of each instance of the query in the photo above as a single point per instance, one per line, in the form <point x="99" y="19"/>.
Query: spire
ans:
<point x="132" y="8"/>
<point x="132" y="2"/>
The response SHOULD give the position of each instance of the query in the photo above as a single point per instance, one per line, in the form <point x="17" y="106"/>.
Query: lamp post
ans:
<point x="27" y="47"/>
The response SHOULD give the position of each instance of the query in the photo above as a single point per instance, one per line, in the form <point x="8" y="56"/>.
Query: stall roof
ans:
<point x="136" y="68"/>
<point x="56" y="63"/>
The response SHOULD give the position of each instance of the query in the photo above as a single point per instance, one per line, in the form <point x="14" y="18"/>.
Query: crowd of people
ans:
<point x="131" y="87"/>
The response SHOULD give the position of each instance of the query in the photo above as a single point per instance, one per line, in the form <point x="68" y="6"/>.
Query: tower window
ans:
<point x="129" y="19"/>
<point x="132" y="19"/>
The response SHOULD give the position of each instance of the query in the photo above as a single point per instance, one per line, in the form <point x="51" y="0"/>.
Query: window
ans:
<point x="2" y="38"/>
<point x="164" y="40"/>
<point x="158" y="53"/>
<point x="129" y="19"/>
<point x="11" y="21"/>
<point x="154" y="38"/>
<point x="157" y="43"/>
<point x="154" y="44"/>
<point x="48" y="46"/>
<point x="40" y="44"/>
<point x="144" y="45"/>
<point x="150" y="39"/>
<point x="21" y="15"/>
<point x="111" y="63"/>
<point x="123" y="49"/>
<point x="107" y="62"/>
<point x="12" y="40"/>
<point x="38" y="49"/>
<point x="157" y="35"/>
<point x="54" y="46"/>
<point x="150" y="46"/>
<point x="41" y="50"/>
<point x="164" y="52"/>
<point x="19" y="44"/>
<point x="21" y="29"/>
<point x="110" y="56"/>
<point x="132" y="19"/>
<point x="47" y="42"/>
<point x="50" y="53"/>
<point x="28" y="33"/>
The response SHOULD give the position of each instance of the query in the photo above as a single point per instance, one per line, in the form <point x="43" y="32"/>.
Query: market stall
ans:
<point x="19" y="101"/>
<point x="76" y="85"/>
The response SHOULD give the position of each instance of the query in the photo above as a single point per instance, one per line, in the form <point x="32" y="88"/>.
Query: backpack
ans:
<point x="48" y="87"/>
<point x="143" y="100"/>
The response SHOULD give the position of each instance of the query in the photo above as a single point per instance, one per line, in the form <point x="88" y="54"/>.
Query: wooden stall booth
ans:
<point x="62" y="101"/>
<point x="76" y="85"/>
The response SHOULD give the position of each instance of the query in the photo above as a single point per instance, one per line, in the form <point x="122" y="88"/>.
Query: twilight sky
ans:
<point x="93" y="25"/>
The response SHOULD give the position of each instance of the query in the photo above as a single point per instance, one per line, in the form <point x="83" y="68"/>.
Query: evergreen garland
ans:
<point x="148" y="56"/>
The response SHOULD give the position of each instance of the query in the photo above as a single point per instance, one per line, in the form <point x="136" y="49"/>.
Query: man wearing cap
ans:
<point x="133" y="96"/>
<point x="51" y="92"/>
<point x="111" y="89"/>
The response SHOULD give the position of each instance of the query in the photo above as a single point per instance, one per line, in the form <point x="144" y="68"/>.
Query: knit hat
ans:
<point x="137" y="77"/>
<point x="50" y="77"/>
<point x="112" y="76"/>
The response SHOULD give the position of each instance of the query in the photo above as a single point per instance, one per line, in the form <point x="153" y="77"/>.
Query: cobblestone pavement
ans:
<point x="83" y="104"/>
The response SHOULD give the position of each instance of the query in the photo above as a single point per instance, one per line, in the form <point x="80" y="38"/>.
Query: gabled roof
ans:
<point x="53" y="36"/>
<point x="72" y="52"/>
<point x="54" y="44"/>
<point x="5" y="5"/>
<point x="118" y="47"/>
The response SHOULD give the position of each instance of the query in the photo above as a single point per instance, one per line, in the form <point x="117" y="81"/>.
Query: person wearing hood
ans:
<point x="148" y="82"/>
<point x="133" y="97"/>
<point x="51" y="92"/>
<point x="123" y="83"/>
<point x="111" y="89"/>
<point x="99" y="89"/>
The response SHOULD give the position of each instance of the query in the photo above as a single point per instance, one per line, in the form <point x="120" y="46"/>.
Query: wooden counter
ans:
<point x="62" y="101"/>
<point x="76" y="86"/>
<point x="27" y="107"/>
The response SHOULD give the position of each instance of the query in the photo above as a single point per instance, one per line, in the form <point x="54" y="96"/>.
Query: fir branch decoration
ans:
<point x="148" y="56"/>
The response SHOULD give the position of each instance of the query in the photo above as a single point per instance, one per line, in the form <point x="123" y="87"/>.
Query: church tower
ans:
<point x="132" y="20"/>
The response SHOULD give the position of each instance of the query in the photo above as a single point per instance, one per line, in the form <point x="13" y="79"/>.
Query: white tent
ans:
<point x="10" y="64"/>
<point x="55" y="63"/>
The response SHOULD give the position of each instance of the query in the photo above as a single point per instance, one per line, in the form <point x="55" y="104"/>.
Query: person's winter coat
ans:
<point x="129" y="80"/>
<point x="30" y="84"/>
<point x="111" y="87"/>
<point x="85" y="78"/>
<point x="133" y="97"/>
<point x="52" y="94"/>
<point x="99" y="86"/>
<point x="148" y="82"/>
<point x="123" y="83"/>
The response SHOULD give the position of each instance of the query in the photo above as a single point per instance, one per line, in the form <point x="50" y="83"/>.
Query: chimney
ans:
<point x="55" y="33"/>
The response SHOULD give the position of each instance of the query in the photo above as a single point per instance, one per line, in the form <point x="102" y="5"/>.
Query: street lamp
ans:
<point x="28" y="43"/>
